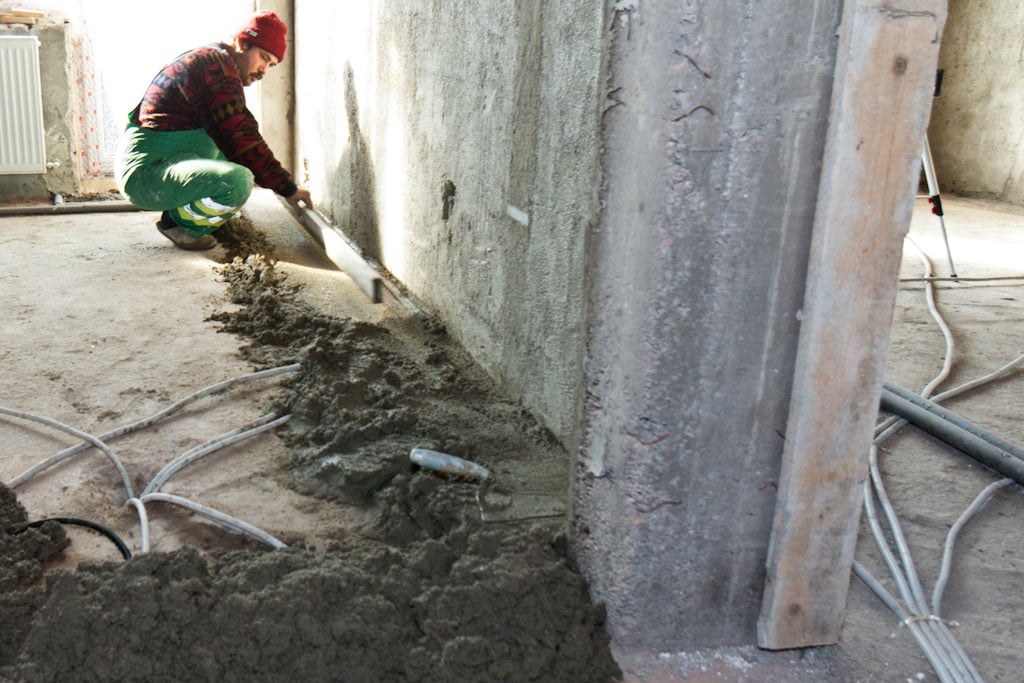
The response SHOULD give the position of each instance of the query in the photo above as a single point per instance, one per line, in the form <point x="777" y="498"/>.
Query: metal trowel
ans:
<point x="501" y="506"/>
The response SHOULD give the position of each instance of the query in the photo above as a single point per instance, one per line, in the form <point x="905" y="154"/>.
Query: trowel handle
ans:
<point x="449" y="464"/>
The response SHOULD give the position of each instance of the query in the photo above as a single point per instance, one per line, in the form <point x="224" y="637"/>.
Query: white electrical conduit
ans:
<point x="910" y="589"/>
<point x="264" y="424"/>
<point x="1007" y="370"/>
<point x="939" y="278"/>
<point x="887" y="431"/>
<point x="936" y="642"/>
<point x="141" y="424"/>
<point x="939" y="645"/>
<point x="219" y="517"/>
<point x="92" y="440"/>
<point x="947" y="552"/>
<point x="895" y="422"/>
<point x="140" y="508"/>
<point x="939" y="659"/>
<point x="876" y="475"/>
<point x="912" y="624"/>
<point x="929" y="291"/>
<point x="933" y="626"/>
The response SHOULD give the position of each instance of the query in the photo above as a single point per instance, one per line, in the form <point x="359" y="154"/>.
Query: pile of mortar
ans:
<point x="427" y="591"/>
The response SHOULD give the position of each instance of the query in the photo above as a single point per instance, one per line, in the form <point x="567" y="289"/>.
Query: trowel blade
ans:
<point x="504" y="507"/>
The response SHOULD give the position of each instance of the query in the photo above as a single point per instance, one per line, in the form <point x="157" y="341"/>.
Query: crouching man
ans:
<point x="192" y="149"/>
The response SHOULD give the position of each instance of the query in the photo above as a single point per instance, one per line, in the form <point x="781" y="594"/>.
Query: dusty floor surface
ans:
<point x="930" y="484"/>
<point x="390" y="574"/>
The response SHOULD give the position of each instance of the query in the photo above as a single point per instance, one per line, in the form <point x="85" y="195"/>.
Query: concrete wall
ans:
<point x="713" y="146"/>
<point x="977" y="131"/>
<point x="277" y="93"/>
<point x="59" y="95"/>
<point x="422" y="123"/>
<point x="610" y="204"/>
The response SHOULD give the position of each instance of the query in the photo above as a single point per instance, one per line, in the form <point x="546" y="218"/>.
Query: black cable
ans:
<point x="78" y="521"/>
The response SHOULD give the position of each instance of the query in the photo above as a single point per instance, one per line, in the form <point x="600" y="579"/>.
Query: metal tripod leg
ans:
<point x="935" y="200"/>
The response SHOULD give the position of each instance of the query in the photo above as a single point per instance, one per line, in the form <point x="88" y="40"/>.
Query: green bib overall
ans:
<point x="183" y="173"/>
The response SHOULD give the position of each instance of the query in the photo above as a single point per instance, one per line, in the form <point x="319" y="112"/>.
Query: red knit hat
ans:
<point x="266" y="31"/>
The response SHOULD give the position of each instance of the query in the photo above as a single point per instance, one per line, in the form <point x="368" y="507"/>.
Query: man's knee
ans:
<point x="236" y="183"/>
<point x="225" y="182"/>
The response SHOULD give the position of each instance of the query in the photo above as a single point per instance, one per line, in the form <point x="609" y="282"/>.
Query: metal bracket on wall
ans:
<point x="339" y="250"/>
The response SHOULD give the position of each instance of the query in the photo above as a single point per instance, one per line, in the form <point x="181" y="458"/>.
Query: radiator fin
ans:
<point x="22" y="138"/>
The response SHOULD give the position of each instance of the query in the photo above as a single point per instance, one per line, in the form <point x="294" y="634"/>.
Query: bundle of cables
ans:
<point x="152" y="491"/>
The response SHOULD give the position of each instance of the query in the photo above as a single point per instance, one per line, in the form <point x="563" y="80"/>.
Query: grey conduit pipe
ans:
<point x="950" y="416"/>
<point x="960" y="434"/>
<point x="105" y="206"/>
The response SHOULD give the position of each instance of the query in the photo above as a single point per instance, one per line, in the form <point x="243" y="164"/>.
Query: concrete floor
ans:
<point x="106" y="323"/>
<point x="105" y="320"/>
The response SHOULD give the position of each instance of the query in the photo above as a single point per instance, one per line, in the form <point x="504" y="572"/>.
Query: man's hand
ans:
<point x="300" y="199"/>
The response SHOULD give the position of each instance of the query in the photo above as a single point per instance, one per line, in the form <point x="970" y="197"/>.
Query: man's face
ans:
<point x="253" y="63"/>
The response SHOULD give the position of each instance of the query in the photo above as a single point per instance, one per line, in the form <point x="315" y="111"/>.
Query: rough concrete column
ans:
<point x="277" y="93"/>
<point x="714" y="129"/>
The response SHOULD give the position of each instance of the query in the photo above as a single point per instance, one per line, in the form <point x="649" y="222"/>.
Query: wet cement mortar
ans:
<point x="427" y="591"/>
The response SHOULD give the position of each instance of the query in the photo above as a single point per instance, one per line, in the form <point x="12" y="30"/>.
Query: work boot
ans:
<point x="181" y="237"/>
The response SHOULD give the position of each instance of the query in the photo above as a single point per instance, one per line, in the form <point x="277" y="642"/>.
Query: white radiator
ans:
<point x="22" y="140"/>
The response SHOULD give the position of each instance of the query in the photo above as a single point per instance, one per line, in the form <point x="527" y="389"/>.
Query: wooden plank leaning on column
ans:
<point x="881" y="100"/>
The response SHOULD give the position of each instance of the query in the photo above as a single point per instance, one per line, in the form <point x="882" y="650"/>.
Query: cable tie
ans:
<point x="927" y="617"/>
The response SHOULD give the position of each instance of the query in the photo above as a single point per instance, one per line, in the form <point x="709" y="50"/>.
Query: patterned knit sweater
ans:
<point x="203" y="89"/>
